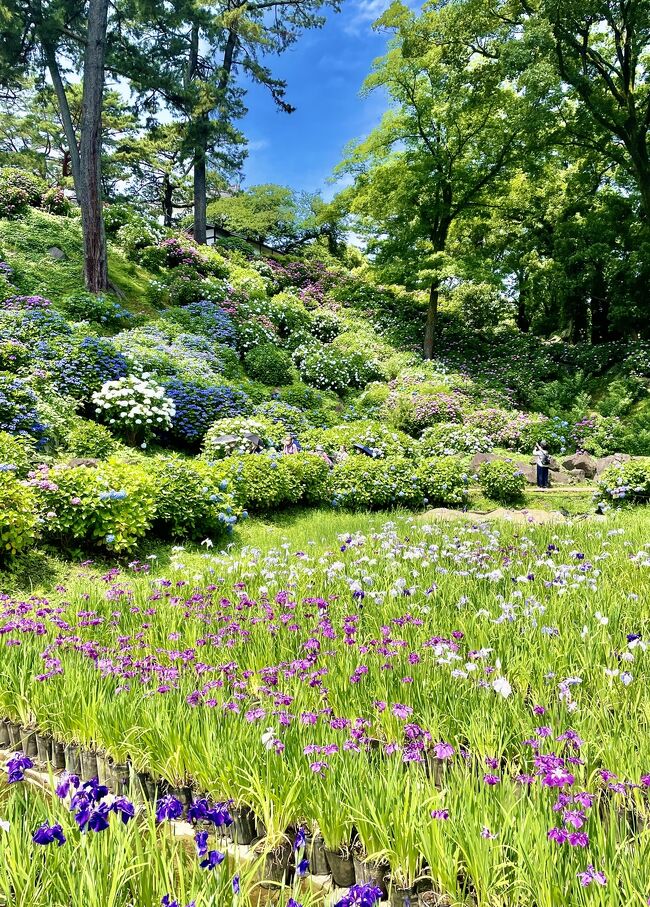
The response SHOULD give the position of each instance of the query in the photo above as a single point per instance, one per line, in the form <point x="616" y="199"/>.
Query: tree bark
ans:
<point x="167" y="201"/>
<point x="432" y="319"/>
<point x="600" y="331"/>
<point x="523" y="319"/>
<point x="66" y="118"/>
<point x="200" y="190"/>
<point x="92" y="220"/>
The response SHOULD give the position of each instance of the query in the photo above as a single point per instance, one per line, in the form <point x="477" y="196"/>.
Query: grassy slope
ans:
<point x="26" y="242"/>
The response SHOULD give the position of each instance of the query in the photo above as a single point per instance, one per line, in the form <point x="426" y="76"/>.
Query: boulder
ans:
<point x="82" y="461"/>
<point x="56" y="253"/>
<point x="578" y="474"/>
<point x="581" y="461"/>
<point x="604" y="463"/>
<point x="480" y="458"/>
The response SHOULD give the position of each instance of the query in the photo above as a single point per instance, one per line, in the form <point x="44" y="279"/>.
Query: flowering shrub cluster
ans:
<point x="238" y="431"/>
<point x="502" y="480"/>
<point x="95" y="307"/>
<point x="332" y="369"/>
<point x="111" y="506"/>
<point x="18" y="190"/>
<point x="365" y="484"/>
<point x="19" y="409"/>
<point x="445" y="438"/>
<point x="625" y="483"/>
<point x="80" y="369"/>
<point x="18" y="520"/>
<point x="367" y="433"/>
<point x="198" y="406"/>
<point x="207" y="319"/>
<point x="269" y="364"/>
<point x="135" y="407"/>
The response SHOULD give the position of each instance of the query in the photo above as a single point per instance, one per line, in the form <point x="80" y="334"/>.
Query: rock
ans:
<point x="480" y="458"/>
<point x="604" y="463"/>
<point x="578" y="474"/>
<point x="583" y="461"/>
<point x="56" y="253"/>
<point x="82" y="461"/>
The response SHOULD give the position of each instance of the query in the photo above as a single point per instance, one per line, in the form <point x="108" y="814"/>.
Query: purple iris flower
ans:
<point x="303" y="867"/>
<point x="67" y="781"/>
<point x="235" y="885"/>
<point x="364" y="895"/>
<point x="16" y="766"/>
<point x="300" y="840"/>
<point x="47" y="834"/>
<point x="124" y="808"/>
<point x="168" y="807"/>
<point x="214" y="858"/>
<point x="98" y="818"/>
<point x="201" y="841"/>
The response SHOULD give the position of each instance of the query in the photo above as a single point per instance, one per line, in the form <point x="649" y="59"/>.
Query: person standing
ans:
<point x="543" y="461"/>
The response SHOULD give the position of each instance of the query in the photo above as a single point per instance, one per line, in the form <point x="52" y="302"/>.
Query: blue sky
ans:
<point x="324" y="72"/>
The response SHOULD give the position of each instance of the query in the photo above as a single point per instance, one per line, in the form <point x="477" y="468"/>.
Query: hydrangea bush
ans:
<point x="19" y="413"/>
<point x="18" y="515"/>
<point x="197" y="406"/>
<point x="270" y="433"/>
<point x="192" y="501"/>
<point x="625" y="483"/>
<point x="450" y="438"/>
<point x="112" y="506"/>
<point x="502" y="481"/>
<point x="366" y="484"/>
<point x="135" y="407"/>
<point x="443" y="480"/>
<point x="367" y="433"/>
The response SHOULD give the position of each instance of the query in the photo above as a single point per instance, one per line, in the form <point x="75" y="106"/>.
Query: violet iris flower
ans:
<point x="300" y="840"/>
<point x="67" y="781"/>
<point x="201" y="841"/>
<point x="364" y="895"/>
<point x="214" y="858"/>
<point x="168" y="807"/>
<point x="16" y="766"/>
<point x="235" y="885"/>
<point x="47" y="834"/>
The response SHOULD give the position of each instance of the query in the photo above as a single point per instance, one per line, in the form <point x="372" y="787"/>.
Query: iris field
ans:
<point x="460" y="713"/>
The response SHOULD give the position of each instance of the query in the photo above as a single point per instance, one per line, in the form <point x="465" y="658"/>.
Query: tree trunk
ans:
<point x="167" y="204"/>
<point x="600" y="332"/>
<point x="522" y="318"/>
<point x="200" y="189"/>
<point x="92" y="220"/>
<point x="73" y="162"/>
<point x="432" y="318"/>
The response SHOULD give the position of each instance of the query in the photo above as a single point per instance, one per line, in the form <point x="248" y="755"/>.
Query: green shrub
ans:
<point x="313" y="475"/>
<point x="17" y="454"/>
<point x="269" y="364"/>
<point x="89" y="439"/>
<point x="365" y="484"/>
<point x="191" y="500"/>
<point x="502" y="481"/>
<point x="19" y="519"/>
<point x="325" y="325"/>
<point x="112" y="506"/>
<point x="626" y="483"/>
<point x="332" y="369"/>
<point x="82" y="306"/>
<point x="292" y="418"/>
<point x="55" y="202"/>
<point x="450" y="438"/>
<point x="18" y="190"/>
<point x="270" y="432"/>
<point x="13" y="355"/>
<point x="443" y="480"/>
<point x="365" y="432"/>
<point x="262" y="482"/>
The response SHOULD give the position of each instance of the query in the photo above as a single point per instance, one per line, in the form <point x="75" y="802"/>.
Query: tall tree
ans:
<point x="276" y="215"/>
<point x="192" y="57"/>
<point x="603" y="52"/>
<point x="456" y="127"/>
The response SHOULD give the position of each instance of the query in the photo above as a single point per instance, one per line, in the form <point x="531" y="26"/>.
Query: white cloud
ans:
<point x="362" y="13"/>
